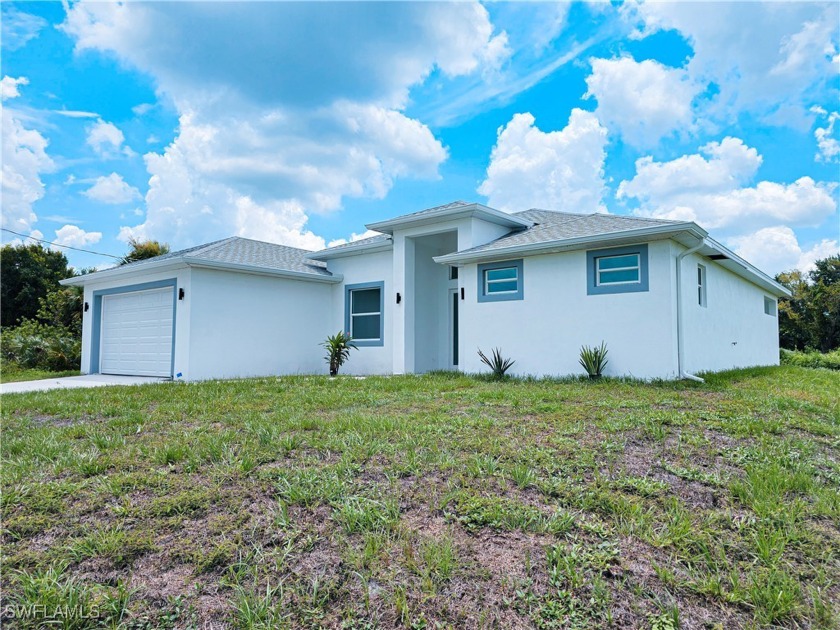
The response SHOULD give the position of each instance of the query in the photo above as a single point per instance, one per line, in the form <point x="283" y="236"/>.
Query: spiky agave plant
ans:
<point x="594" y="359"/>
<point x="497" y="363"/>
<point x="338" y="348"/>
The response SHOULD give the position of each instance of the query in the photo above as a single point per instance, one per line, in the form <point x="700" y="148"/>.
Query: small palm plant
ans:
<point x="497" y="363"/>
<point x="594" y="359"/>
<point x="338" y="348"/>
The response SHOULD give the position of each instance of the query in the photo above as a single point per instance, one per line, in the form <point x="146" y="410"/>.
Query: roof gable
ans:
<point x="447" y="212"/>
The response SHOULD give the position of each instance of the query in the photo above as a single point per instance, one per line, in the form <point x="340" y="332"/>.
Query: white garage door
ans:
<point x="137" y="333"/>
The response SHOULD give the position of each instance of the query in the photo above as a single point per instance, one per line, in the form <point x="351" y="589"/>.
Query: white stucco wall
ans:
<point x="544" y="331"/>
<point x="410" y="357"/>
<point x="431" y="306"/>
<point x="182" y="275"/>
<point x="732" y="330"/>
<point x="254" y="325"/>
<point x="374" y="267"/>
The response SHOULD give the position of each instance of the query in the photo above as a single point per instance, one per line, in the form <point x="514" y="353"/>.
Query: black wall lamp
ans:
<point x="462" y="293"/>
<point x="87" y="306"/>
<point x="399" y="298"/>
<point x="180" y="294"/>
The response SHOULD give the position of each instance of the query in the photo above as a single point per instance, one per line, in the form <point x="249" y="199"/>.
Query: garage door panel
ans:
<point x="137" y="333"/>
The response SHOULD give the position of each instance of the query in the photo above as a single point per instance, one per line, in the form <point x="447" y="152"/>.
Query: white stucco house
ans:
<point x="433" y="287"/>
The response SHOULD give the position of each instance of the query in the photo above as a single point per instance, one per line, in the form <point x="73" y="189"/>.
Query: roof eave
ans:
<point x="477" y="210"/>
<point x="326" y="254"/>
<point x="757" y="276"/>
<point x="119" y="272"/>
<point x="188" y="261"/>
<point x="569" y="244"/>
<point x="262" y="271"/>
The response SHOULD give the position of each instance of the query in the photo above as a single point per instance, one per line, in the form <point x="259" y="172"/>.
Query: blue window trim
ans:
<point x="366" y="285"/>
<point x="592" y="287"/>
<point x="519" y="294"/>
<point x="96" y="327"/>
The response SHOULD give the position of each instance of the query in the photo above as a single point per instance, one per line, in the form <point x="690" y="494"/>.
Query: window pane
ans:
<point x="615" y="262"/>
<point x="501" y="287"/>
<point x="610" y="277"/>
<point x="508" y="273"/>
<point x="365" y="326"/>
<point x="365" y="301"/>
<point x="453" y="273"/>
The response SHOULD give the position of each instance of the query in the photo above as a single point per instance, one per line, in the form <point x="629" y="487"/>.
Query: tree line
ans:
<point x="41" y="320"/>
<point x="810" y="318"/>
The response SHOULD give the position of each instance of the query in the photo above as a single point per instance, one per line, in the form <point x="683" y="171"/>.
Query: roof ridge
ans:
<point x="256" y="240"/>
<point x="635" y="218"/>
<point x="212" y="246"/>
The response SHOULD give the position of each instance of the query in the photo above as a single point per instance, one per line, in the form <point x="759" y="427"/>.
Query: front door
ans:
<point x="453" y="328"/>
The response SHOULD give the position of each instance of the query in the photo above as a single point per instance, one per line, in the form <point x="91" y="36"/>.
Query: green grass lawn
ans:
<point x="13" y="374"/>
<point x="424" y="502"/>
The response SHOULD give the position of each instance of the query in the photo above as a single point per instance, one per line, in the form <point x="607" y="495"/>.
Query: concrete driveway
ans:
<point x="75" y="382"/>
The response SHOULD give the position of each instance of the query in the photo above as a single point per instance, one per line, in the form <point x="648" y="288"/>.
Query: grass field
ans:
<point x="13" y="374"/>
<point x="426" y="502"/>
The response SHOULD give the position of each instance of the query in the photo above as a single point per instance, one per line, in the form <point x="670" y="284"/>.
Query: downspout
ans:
<point x="682" y="373"/>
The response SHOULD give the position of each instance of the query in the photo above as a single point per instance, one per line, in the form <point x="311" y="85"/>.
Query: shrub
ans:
<point x="497" y="363"/>
<point x="39" y="346"/>
<point x="338" y="348"/>
<point x="829" y="360"/>
<point x="594" y="359"/>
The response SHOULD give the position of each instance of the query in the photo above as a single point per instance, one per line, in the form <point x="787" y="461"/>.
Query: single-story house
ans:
<point x="433" y="287"/>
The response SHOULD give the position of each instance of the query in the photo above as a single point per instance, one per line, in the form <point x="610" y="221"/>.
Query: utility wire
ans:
<point x="87" y="251"/>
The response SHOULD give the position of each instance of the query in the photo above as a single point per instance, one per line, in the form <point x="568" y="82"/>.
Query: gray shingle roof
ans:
<point x="446" y="206"/>
<point x="244" y="251"/>
<point x="370" y="240"/>
<point x="557" y="226"/>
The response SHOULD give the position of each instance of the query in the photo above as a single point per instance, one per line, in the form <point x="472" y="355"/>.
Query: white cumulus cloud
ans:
<point x="766" y="57"/>
<point x="353" y="238"/>
<point x="710" y="188"/>
<point x="112" y="189"/>
<point x="642" y="101"/>
<point x="828" y="144"/>
<point x="106" y="139"/>
<point x="74" y="236"/>
<point x="24" y="160"/>
<point x="557" y="170"/>
<point x="296" y="53"/>
<point x="776" y="249"/>
<point x="9" y="86"/>
<point x="285" y="108"/>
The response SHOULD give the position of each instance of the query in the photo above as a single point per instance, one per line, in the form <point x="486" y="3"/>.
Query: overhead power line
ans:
<point x="40" y="240"/>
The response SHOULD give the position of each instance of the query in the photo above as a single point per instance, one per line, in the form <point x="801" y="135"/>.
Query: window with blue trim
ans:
<point x="617" y="270"/>
<point x="364" y="313"/>
<point x="500" y="281"/>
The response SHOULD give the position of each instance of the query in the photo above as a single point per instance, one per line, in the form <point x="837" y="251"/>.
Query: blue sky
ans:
<point x="299" y="123"/>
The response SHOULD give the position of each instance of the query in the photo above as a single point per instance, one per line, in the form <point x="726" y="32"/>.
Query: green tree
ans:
<point x="62" y="308"/>
<point x="810" y="318"/>
<point x="141" y="250"/>
<point x="825" y="304"/>
<point x="794" y="327"/>
<point x="27" y="274"/>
